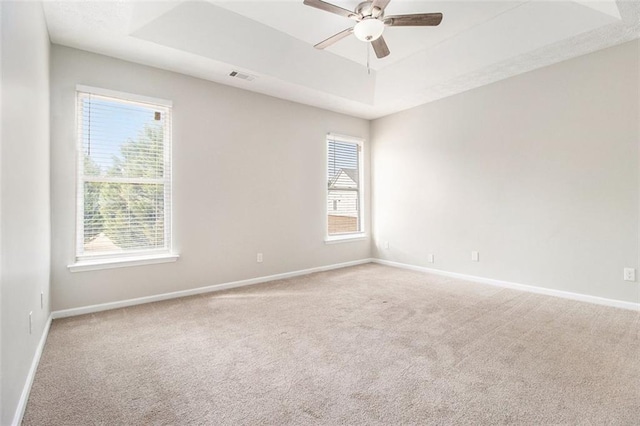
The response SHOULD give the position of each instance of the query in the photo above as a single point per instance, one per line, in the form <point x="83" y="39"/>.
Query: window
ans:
<point x="344" y="196"/>
<point x="124" y="175"/>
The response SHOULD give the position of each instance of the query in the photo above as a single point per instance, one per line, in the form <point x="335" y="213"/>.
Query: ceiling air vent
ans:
<point x="247" y="77"/>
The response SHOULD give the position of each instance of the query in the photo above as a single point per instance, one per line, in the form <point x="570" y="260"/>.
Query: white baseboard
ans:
<point x="24" y="397"/>
<point x="216" y="287"/>
<point x="523" y="287"/>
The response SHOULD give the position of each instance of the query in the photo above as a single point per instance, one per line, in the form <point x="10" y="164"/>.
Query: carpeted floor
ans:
<point x="364" y="345"/>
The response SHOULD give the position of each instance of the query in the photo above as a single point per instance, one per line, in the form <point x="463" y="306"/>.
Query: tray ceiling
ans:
<point x="478" y="42"/>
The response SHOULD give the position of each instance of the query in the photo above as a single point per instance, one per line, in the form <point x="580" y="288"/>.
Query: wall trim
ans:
<point x="251" y="281"/>
<point x="199" y="290"/>
<point x="24" y="397"/>
<point x="515" y="286"/>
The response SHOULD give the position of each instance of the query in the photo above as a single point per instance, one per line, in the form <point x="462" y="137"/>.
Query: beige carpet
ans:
<point x="363" y="345"/>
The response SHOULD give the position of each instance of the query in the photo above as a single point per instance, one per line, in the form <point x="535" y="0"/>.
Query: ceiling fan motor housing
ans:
<point x="370" y="26"/>
<point x="366" y="10"/>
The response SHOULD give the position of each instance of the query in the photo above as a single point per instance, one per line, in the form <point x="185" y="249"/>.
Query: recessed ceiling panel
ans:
<point x="312" y="25"/>
<point x="477" y="43"/>
<point x="213" y="32"/>
<point x="526" y="28"/>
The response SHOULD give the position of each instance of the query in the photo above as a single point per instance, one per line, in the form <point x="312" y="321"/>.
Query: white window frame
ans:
<point x="352" y="236"/>
<point x="134" y="257"/>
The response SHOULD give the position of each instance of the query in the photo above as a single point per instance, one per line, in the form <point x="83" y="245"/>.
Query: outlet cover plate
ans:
<point x="629" y="274"/>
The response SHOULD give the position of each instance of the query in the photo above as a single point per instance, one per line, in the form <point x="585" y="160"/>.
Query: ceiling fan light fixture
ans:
<point x="369" y="29"/>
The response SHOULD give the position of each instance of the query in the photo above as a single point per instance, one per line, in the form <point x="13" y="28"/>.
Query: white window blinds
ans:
<point x="344" y="186"/>
<point x="124" y="175"/>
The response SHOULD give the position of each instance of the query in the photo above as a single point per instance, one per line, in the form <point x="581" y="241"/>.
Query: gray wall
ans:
<point x="539" y="173"/>
<point x="24" y="179"/>
<point x="249" y="176"/>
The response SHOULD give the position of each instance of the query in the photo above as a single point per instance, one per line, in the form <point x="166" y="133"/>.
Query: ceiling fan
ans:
<point x="371" y="22"/>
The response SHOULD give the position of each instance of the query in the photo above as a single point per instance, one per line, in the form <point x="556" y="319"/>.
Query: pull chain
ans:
<point x="368" y="57"/>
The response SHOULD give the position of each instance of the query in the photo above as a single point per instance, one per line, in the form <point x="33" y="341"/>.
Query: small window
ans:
<point x="344" y="195"/>
<point x="124" y="175"/>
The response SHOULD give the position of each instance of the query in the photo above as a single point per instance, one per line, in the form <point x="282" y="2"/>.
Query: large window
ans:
<point x="124" y="175"/>
<point x="344" y="197"/>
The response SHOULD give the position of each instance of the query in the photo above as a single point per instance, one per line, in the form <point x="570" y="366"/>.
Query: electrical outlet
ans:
<point x="475" y="256"/>
<point x="259" y="258"/>
<point x="385" y="244"/>
<point x="629" y="274"/>
<point x="431" y="258"/>
<point x="30" y="322"/>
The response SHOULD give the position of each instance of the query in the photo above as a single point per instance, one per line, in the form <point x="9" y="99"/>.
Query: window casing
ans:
<point x="123" y="175"/>
<point x="344" y="187"/>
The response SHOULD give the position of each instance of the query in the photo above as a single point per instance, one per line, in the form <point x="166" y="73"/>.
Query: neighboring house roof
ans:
<point x="346" y="178"/>
<point x="352" y="173"/>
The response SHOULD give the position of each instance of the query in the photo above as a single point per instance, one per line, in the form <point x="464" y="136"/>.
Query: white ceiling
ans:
<point x="478" y="42"/>
<point x="312" y="25"/>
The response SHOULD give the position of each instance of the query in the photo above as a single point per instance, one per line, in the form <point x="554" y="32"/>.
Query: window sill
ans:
<point x="123" y="262"/>
<point x="345" y="238"/>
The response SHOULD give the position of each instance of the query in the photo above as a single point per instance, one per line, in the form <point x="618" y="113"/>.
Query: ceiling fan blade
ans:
<point x="380" y="47"/>
<point x="333" y="39"/>
<point x="328" y="7"/>
<point x="417" y="20"/>
<point x="380" y="4"/>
